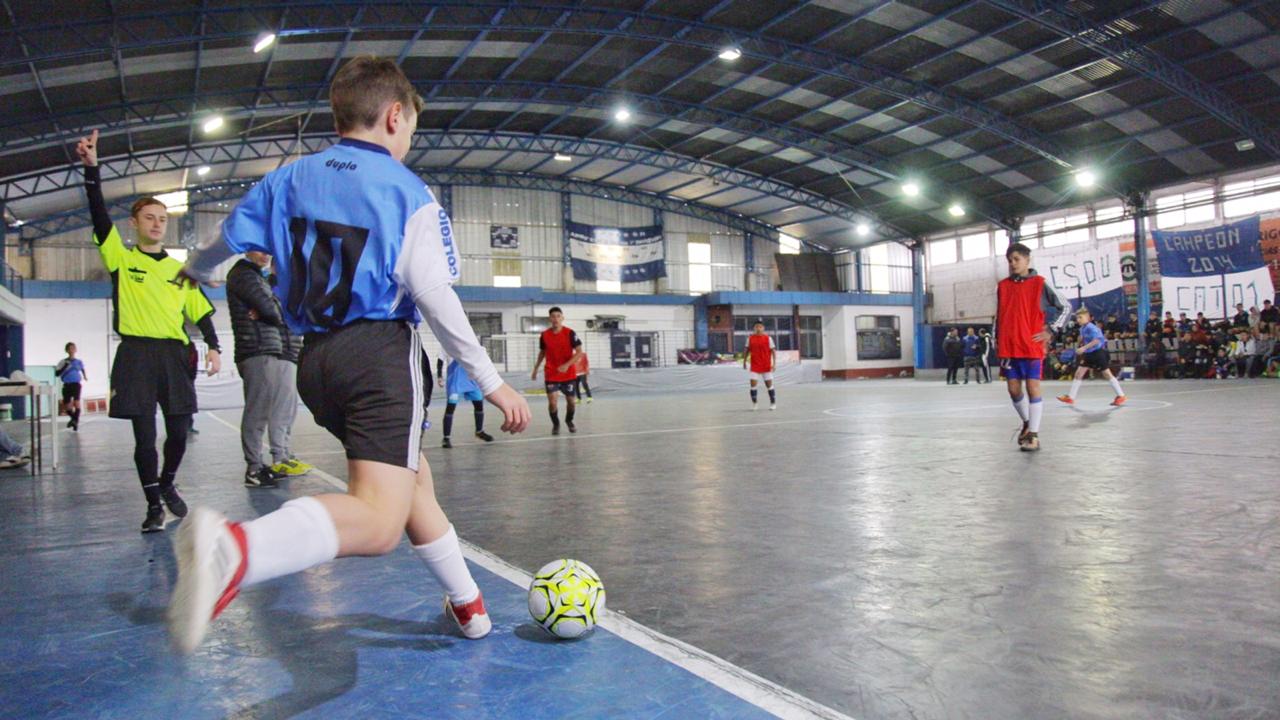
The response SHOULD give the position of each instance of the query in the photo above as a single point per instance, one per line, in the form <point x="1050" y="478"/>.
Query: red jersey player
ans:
<point x="584" y="368"/>
<point x="763" y="357"/>
<point x="561" y="348"/>
<point x="1022" y="335"/>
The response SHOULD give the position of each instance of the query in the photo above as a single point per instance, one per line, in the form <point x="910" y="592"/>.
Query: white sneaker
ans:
<point x="472" y="618"/>
<point x="211" y="556"/>
<point x="773" y="406"/>
<point x="754" y="407"/>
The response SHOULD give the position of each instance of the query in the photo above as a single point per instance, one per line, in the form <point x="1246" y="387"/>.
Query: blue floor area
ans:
<point x="82" y="617"/>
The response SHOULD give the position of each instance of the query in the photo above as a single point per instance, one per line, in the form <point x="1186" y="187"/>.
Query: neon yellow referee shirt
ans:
<point x="148" y="301"/>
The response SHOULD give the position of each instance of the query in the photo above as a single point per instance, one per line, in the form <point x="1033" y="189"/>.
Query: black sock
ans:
<point x="479" y="413"/>
<point x="448" y="418"/>
<point x="555" y="417"/>
<point x="585" y="386"/>
<point x="568" y="415"/>
<point x="144" y="457"/>
<point x="773" y="396"/>
<point x="754" y="395"/>
<point x="175" y="443"/>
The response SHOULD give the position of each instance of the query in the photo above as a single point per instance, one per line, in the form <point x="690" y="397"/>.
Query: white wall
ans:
<point x="840" y="338"/>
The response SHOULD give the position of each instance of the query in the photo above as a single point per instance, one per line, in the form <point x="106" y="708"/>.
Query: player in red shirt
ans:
<point x="583" y="367"/>
<point x="763" y="356"/>
<point x="561" y="348"/>
<point x="1022" y="336"/>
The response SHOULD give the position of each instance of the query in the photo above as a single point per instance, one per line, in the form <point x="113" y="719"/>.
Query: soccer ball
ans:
<point x="566" y="598"/>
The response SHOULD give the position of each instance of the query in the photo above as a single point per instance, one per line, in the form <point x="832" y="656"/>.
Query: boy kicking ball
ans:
<point x="1093" y="356"/>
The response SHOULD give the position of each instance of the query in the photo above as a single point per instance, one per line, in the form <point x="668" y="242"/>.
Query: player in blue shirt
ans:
<point x="1093" y="355"/>
<point x="460" y="387"/>
<point x="70" y="370"/>
<point x="362" y="251"/>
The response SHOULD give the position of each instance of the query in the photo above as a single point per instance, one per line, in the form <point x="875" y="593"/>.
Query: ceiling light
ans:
<point x="730" y="54"/>
<point x="622" y="114"/>
<point x="863" y="229"/>
<point x="264" y="42"/>
<point x="910" y="189"/>
<point x="19" y="222"/>
<point x="956" y="210"/>
<point x="1244" y="145"/>
<point x="203" y="170"/>
<point x="175" y="202"/>
<point x="561" y="157"/>
<point x="213" y="123"/>
<point x="1086" y="178"/>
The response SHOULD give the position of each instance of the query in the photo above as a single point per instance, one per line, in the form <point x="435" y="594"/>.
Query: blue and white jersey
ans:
<point x="1091" y="332"/>
<point x="70" y="370"/>
<point x="457" y="381"/>
<point x="346" y="226"/>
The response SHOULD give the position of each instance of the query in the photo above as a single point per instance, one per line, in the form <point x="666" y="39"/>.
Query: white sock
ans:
<point x="1115" y="385"/>
<point x="1021" y="406"/>
<point x="299" y="535"/>
<point x="1037" y="409"/>
<point x="1075" y="388"/>
<point x="443" y="558"/>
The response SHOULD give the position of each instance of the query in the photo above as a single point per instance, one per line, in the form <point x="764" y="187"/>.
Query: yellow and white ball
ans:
<point x="566" y="598"/>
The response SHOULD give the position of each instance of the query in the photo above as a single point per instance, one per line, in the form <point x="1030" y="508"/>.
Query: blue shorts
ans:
<point x="472" y="395"/>
<point x="1020" y="368"/>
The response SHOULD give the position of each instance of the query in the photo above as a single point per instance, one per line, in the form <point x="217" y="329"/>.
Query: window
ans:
<point x="1002" y="241"/>
<point x="810" y="336"/>
<point x="506" y="281"/>
<point x="878" y="267"/>
<point x="975" y="246"/>
<point x="878" y="337"/>
<point x="1027" y="233"/>
<point x="942" y="252"/>
<point x="1053" y="235"/>
<point x="777" y="327"/>
<point x="788" y="245"/>
<point x="1172" y="211"/>
<point x="1249" y="198"/>
<point x="1111" y="224"/>
<point x="609" y="286"/>
<point x="699" y="267"/>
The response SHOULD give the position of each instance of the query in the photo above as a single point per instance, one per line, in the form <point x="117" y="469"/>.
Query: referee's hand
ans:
<point x="515" y="409"/>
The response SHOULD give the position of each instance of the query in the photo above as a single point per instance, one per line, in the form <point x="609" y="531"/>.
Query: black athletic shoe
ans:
<point x="484" y="436"/>
<point x="155" y="519"/>
<point x="569" y="424"/>
<point x="555" y="429"/>
<point x="260" y="478"/>
<point x="173" y="501"/>
<point x="446" y="443"/>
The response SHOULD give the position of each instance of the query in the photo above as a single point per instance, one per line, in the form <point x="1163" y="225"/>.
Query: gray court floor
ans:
<point x="881" y="547"/>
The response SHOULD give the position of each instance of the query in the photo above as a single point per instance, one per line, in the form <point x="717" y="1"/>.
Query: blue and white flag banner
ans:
<point x="1201" y="268"/>
<point x="1090" y="275"/>
<point x="620" y="254"/>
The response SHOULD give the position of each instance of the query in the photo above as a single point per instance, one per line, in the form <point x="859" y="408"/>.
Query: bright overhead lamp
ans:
<point x="1086" y="178"/>
<point x="863" y="229"/>
<point x="561" y="157"/>
<point x="956" y="210"/>
<point x="1244" y="145"/>
<point x="622" y="114"/>
<point x="203" y="170"/>
<point x="730" y="54"/>
<point x="264" y="42"/>
<point x="212" y="124"/>
<point x="910" y="189"/>
<point x="174" y="202"/>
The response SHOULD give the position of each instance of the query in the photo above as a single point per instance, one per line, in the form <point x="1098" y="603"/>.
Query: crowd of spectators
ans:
<point x="1247" y="345"/>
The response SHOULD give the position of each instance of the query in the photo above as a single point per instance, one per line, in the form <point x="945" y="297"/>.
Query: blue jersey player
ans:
<point x="363" y="250"/>
<point x="1093" y="356"/>
<point x="458" y="387"/>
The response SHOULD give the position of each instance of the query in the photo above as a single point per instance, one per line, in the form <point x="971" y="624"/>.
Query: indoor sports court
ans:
<point x="884" y="359"/>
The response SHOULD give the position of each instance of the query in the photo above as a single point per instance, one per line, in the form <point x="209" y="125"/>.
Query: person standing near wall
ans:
<point x="763" y="357"/>
<point x="984" y="354"/>
<point x="953" y="348"/>
<point x="583" y="368"/>
<point x="70" y="370"/>
<point x="561" y="348"/>
<point x="971" y="354"/>
<point x="150" y="368"/>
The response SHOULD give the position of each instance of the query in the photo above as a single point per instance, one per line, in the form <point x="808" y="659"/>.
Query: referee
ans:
<point x="150" y="303"/>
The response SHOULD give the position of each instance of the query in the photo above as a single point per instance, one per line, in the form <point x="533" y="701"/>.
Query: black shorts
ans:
<point x="567" y="387"/>
<point x="1097" y="360"/>
<point x="70" y="391"/>
<point x="148" y="371"/>
<point x="369" y="383"/>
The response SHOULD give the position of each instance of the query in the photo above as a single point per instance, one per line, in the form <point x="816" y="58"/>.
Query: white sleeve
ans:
<point x="425" y="271"/>
<point x="771" y="345"/>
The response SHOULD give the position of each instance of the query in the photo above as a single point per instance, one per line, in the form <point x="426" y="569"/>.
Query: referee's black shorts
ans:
<point x="148" y="371"/>
<point x="368" y="383"/>
<point x="1097" y="360"/>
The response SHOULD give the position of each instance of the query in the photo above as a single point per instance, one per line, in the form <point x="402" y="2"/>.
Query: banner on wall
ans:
<point x="1089" y="275"/>
<point x="621" y="254"/>
<point x="504" y="237"/>
<point x="1269" y="231"/>
<point x="1201" y="269"/>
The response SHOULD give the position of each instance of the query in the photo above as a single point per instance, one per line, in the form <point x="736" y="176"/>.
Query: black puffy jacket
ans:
<point x="248" y="290"/>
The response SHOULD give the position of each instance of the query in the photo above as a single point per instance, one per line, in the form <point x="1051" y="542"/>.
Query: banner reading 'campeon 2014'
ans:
<point x="1199" y="269"/>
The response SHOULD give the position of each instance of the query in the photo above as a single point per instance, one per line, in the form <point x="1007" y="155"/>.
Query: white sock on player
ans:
<point x="1075" y="388"/>
<point x="1115" y="385"/>
<point x="443" y="557"/>
<point x="1021" y="406"/>
<point x="1036" y="410"/>
<point x="299" y="535"/>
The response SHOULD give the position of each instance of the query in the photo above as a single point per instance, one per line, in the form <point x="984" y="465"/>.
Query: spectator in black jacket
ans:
<point x="953" y="348"/>
<point x="270" y="397"/>
<point x="1269" y="317"/>
<point x="1241" y="318"/>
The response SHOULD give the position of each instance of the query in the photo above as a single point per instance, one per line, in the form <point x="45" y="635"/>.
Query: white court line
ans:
<point x="762" y="693"/>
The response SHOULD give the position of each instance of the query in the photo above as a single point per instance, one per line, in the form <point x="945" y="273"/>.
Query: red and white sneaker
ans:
<point x="1066" y="399"/>
<point x="212" y="556"/>
<point x="1119" y="400"/>
<point x="472" y="619"/>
